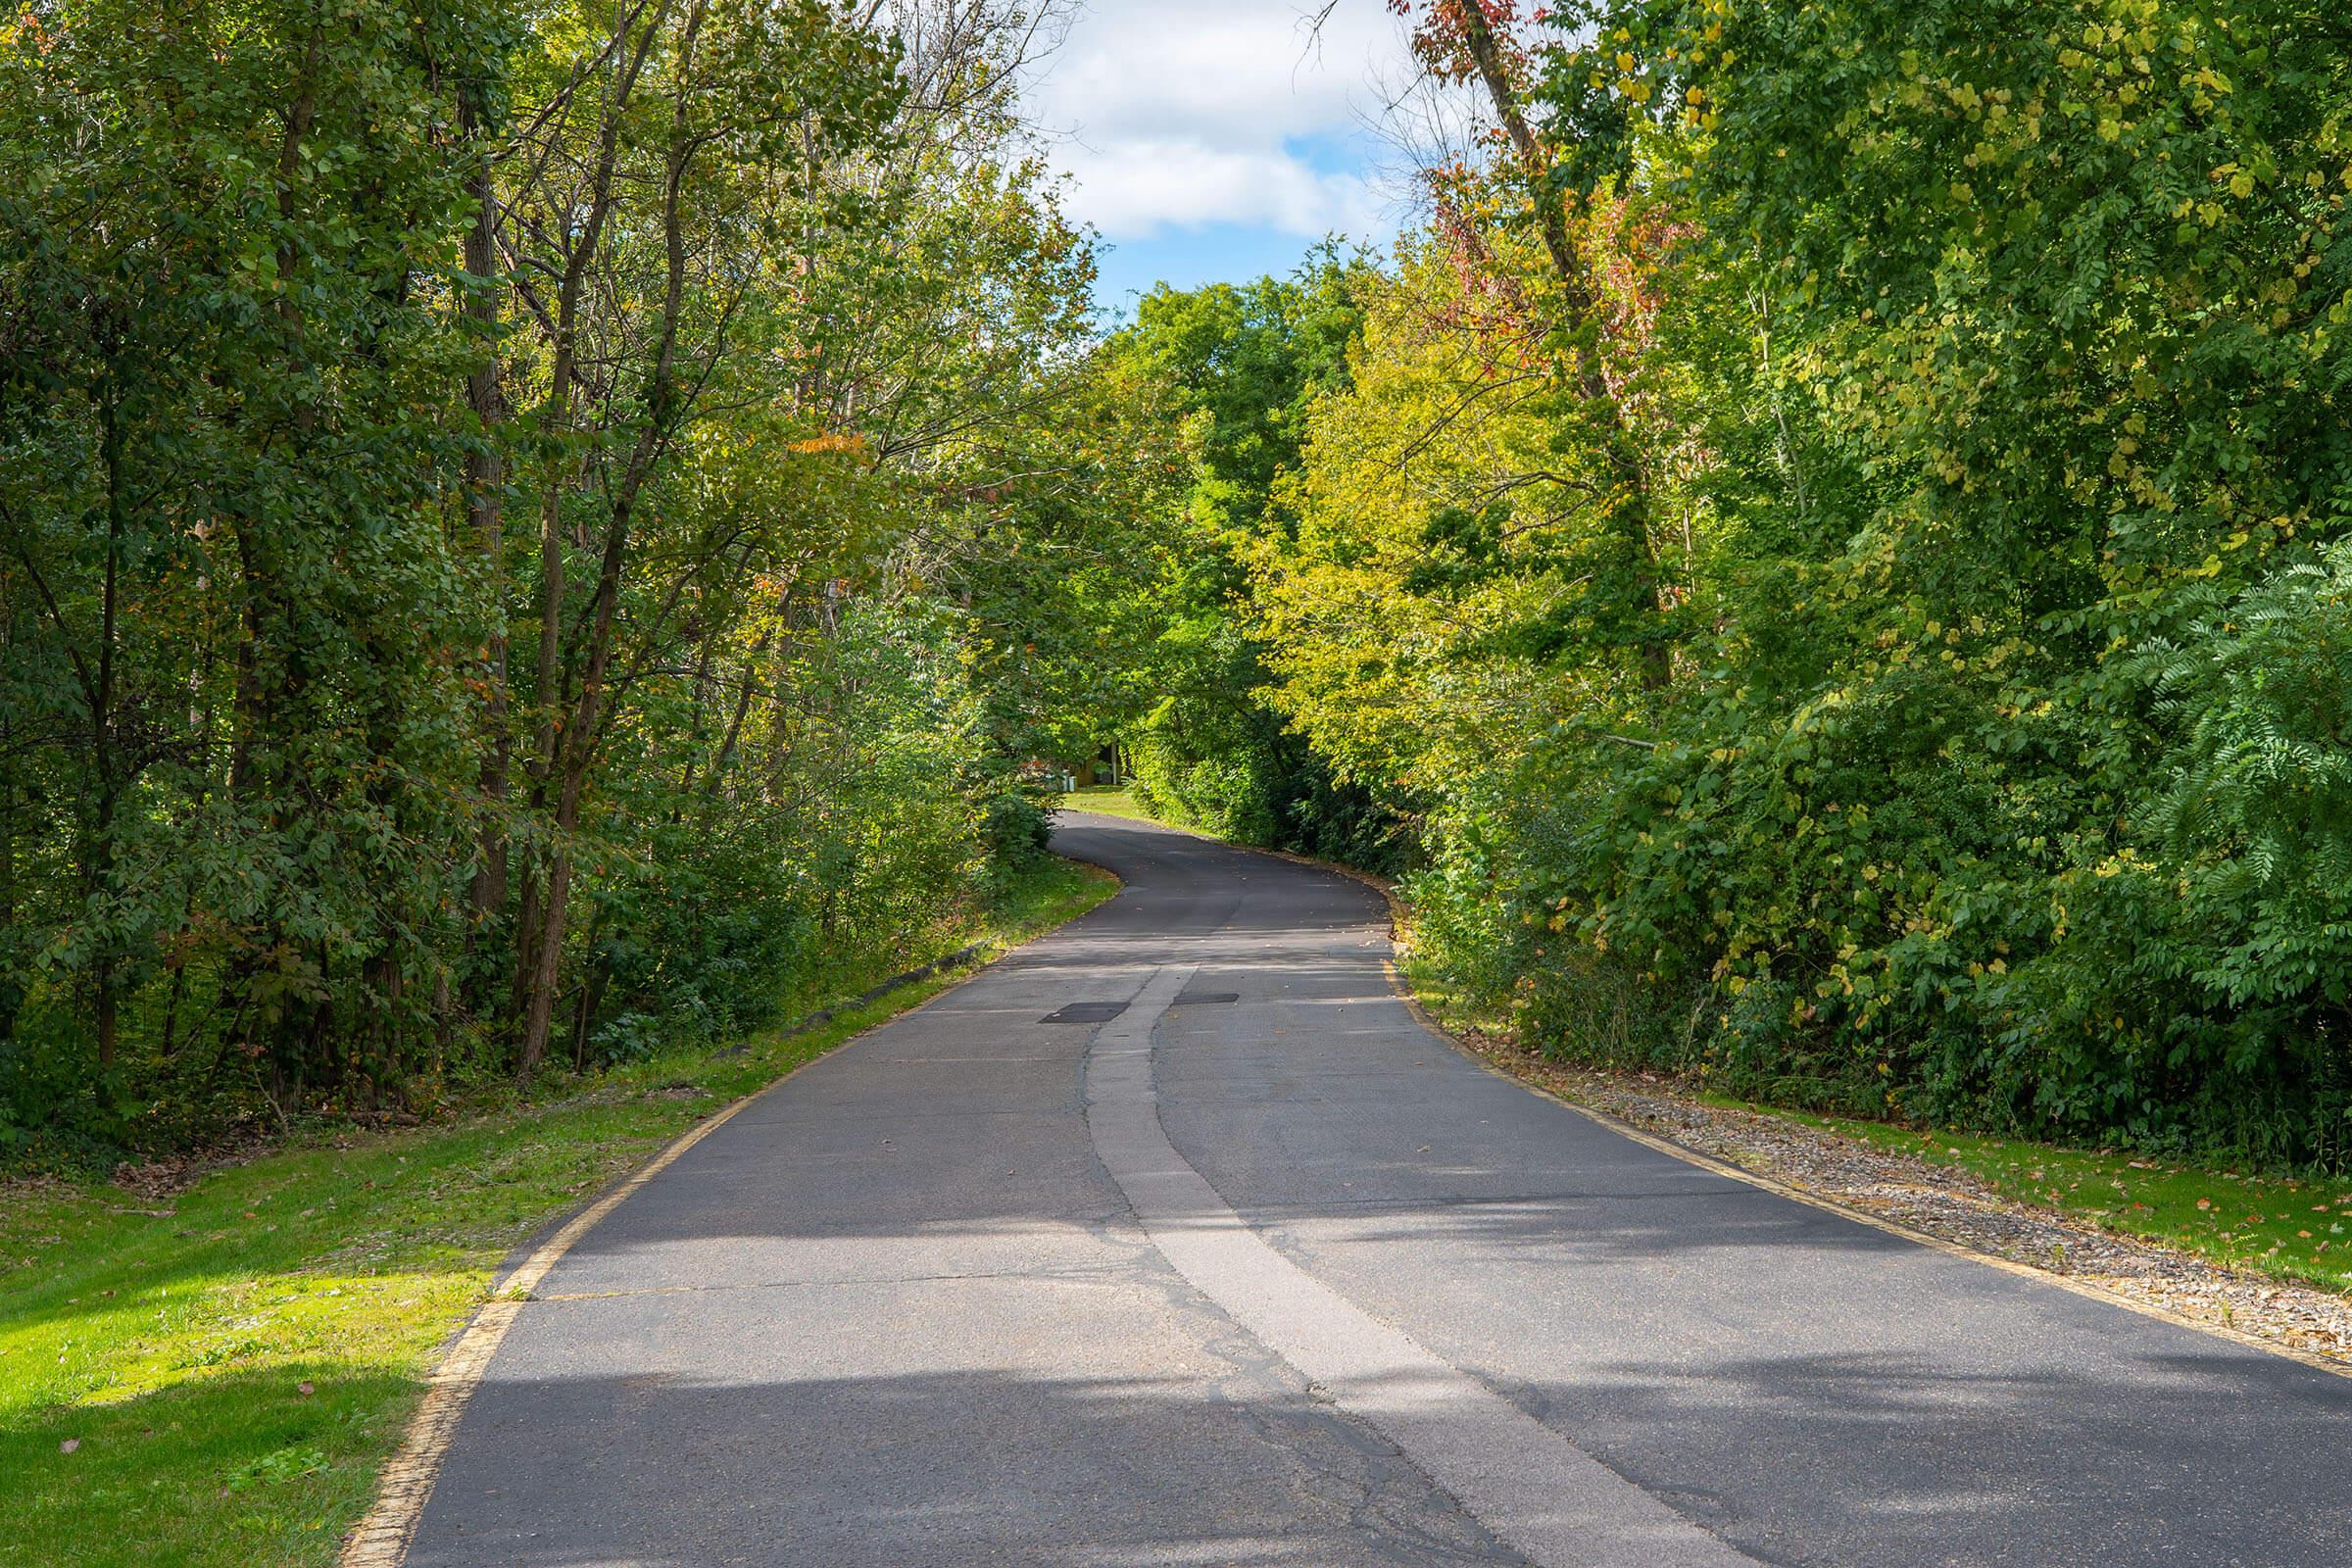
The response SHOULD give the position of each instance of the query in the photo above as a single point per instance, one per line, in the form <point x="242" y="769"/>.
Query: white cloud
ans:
<point x="1132" y="189"/>
<point x="1178" y="112"/>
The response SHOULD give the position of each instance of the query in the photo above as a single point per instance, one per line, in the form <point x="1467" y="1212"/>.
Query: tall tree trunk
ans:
<point x="743" y="704"/>
<point x="11" y="995"/>
<point x="101" y="859"/>
<point x="1630" y="506"/>
<point x="568" y="737"/>
<point x="263" y="693"/>
<point x="94" y="836"/>
<point x="485" y="480"/>
<point x="702" y="698"/>
<point x="539" y="939"/>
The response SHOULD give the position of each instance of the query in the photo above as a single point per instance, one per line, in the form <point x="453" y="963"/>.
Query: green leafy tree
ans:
<point x="498" y="519"/>
<point x="1240" y="367"/>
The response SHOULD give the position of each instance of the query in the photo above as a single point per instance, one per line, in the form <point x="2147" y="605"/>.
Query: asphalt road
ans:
<point x="1256" y="1271"/>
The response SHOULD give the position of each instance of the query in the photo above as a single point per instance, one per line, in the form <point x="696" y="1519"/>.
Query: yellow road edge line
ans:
<point x="1830" y="1205"/>
<point x="383" y="1537"/>
<point x="383" y="1533"/>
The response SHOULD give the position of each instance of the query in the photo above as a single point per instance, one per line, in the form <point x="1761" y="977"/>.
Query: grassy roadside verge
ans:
<point x="2294" y="1230"/>
<point x="1108" y="800"/>
<point x="215" y="1376"/>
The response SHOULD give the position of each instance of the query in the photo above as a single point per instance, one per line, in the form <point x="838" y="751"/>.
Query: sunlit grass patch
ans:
<point x="214" y="1378"/>
<point x="1108" y="800"/>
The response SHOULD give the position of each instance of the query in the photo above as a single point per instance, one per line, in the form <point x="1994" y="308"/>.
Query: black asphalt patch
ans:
<point x="1085" y="1012"/>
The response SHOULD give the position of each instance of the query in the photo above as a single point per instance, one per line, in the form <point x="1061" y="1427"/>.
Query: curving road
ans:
<point x="1172" y="1239"/>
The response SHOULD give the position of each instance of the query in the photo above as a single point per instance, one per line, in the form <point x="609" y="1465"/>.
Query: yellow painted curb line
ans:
<point x="1798" y="1194"/>
<point x="382" y="1539"/>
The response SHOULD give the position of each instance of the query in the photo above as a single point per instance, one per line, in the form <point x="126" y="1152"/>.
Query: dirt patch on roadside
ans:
<point x="1952" y="1205"/>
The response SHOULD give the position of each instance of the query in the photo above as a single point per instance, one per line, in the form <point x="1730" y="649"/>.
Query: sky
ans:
<point x="1219" y="139"/>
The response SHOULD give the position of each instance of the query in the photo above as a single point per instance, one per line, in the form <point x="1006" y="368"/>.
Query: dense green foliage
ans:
<point x="1833" y="536"/>
<point x="1994" y="776"/>
<point x="502" y="523"/>
<point x="1825" y="555"/>
<point x="1238" y="369"/>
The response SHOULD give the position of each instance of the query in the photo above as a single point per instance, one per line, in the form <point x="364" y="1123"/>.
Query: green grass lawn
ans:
<point x="1108" y="799"/>
<point x="214" y="1378"/>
